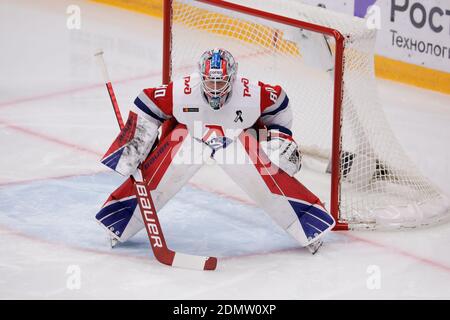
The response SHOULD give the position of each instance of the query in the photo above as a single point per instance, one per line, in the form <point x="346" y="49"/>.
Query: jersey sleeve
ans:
<point x="155" y="104"/>
<point x="276" y="112"/>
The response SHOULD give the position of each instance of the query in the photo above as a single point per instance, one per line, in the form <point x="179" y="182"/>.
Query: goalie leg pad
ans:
<point x="165" y="173"/>
<point x="120" y="214"/>
<point x="292" y="206"/>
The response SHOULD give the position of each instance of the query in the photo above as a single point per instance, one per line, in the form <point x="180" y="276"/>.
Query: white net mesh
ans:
<point x="380" y="186"/>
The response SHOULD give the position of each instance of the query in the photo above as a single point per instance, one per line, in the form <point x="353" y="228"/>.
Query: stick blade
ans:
<point x="211" y="264"/>
<point x="194" y="262"/>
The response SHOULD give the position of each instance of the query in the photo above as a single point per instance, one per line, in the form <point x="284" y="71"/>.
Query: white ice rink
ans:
<point x="55" y="124"/>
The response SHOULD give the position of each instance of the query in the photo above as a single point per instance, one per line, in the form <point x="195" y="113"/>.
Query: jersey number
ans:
<point x="273" y="96"/>
<point x="160" y="91"/>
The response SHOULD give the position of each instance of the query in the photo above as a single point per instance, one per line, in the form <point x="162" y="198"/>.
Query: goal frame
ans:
<point x="335" y="192"/>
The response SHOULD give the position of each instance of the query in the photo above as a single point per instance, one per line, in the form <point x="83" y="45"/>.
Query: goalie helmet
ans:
<point x="218" y="71"/>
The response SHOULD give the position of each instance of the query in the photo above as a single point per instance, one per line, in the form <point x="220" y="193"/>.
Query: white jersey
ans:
<point x="249" y="103"/>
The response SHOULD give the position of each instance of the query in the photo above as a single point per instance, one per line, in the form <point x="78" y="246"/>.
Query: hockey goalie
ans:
<point x="215" y="114"/>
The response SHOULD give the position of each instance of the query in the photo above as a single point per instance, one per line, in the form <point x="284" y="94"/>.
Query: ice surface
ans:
<point x="56" y="123"/>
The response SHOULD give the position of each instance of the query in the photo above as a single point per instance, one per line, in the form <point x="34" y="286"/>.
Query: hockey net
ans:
<point x="338" y="120"/>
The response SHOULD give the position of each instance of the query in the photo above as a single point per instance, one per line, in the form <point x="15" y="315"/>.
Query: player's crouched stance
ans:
<point x="222" y="102"/>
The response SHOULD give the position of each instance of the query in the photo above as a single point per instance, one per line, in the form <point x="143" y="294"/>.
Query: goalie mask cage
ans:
<point x="325" y="63"/>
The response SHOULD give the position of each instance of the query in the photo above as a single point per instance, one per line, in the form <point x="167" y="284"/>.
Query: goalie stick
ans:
<point x="147" y="208"/>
